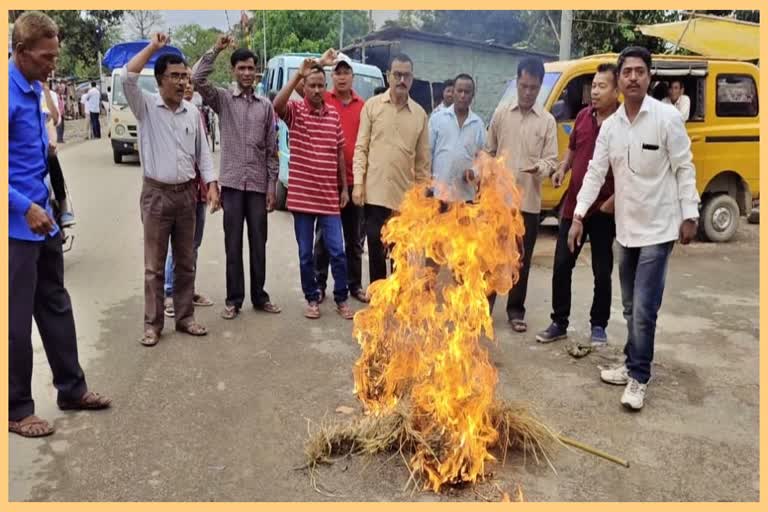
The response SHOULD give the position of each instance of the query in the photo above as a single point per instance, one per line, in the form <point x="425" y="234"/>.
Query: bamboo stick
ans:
<point x="593" y="451"/>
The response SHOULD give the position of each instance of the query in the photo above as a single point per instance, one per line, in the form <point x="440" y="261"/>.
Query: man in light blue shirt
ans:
<point x="456" y="134"/>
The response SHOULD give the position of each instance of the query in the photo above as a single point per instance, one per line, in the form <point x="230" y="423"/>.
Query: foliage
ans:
<point x="82" y="35"/>
<point x="302" y="31"/>
<point x="194" y="40"/>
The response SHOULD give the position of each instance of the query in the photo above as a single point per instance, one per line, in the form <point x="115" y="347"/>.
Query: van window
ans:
<point x="510" y="95"/>
<point x="575" y="96"/>
<point x="279" y="85"/>
<point x="147" y="83"/>
<point x="693" y="86"/>
<point x="736" y="96"/>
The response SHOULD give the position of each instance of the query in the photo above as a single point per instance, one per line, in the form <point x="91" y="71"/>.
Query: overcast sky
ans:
<point x="218" y="19"/>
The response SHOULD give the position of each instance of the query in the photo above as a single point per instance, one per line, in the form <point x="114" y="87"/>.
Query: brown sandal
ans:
<point x="201" y="301"/>
<point x="31" y="426"/>
<point x="230" y="312"/>
<point x="90" y="401"/>
<point x="519" y="325"/>
<point x="361" y="296"/>
<point x="193" y="329"/>
<point x="346" y="312"/>
<point x="268" y="307"/>
<point x="312" y="311"/>
<point x="150" y="338"/>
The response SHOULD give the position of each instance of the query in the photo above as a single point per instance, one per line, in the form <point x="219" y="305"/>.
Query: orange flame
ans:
<point x="421" y="342"/>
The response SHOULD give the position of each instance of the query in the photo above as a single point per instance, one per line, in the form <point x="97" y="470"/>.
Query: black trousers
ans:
<point x="351" y="220"/>
<point x="95" y="125"/>
<point x="375" y="218"/>
<point x="516" y="297"/>
<point x="57" y="178"/>
<point x="60" y="130"/>
<point x="245" y="207"/>
<point x="601" y="230"/>
<point x="36" y="290"/>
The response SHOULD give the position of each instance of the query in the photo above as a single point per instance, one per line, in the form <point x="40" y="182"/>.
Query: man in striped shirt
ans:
<point x="317" y="183"/>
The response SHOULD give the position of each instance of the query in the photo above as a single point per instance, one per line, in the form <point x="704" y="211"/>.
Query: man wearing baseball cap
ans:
<point x="349" y="105"/>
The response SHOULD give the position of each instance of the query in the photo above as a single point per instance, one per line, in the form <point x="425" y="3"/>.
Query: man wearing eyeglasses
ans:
<point x="171" y="144"/>
<point x="391" y="154"/>
<point x="648" y="149"/>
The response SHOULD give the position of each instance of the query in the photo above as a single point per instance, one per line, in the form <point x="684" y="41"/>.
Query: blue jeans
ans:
<point x="642" y="271"/>
<point x="199" y="226"/>
<point x="330" y="225"/>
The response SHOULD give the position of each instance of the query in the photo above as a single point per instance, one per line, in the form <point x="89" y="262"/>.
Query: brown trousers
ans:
<point x="168" y="211"/>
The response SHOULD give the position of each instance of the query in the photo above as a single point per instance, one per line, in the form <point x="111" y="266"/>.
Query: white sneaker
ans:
<point x="618" y="375"/>
<point x="634" y="394"/>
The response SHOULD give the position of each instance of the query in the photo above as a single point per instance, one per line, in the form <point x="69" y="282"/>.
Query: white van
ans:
<point x="279" y="71"/>
<point x="123" y="128"/>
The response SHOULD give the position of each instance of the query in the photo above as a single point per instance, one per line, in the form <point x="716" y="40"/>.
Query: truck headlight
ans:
<point x="120" y="129"/>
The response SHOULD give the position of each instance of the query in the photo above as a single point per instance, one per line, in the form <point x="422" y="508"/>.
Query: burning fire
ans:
<point x="421" y="335"/>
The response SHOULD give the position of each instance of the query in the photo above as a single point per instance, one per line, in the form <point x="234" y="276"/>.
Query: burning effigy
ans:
<point x="424" y="378"/>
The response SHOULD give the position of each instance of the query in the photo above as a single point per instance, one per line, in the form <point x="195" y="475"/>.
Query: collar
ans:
<point x="237" y="91"/>
<point x="321" y="111"/>
<point x="645" y="107"/>
<point x="160" y="103"/>
<point x="593" y="110"/>
<point x="536" y="108"/>
<point x="388" y="99"/>
<point x="353" y="99"/>
<point x="21" y="81"/>
<point x="471" y="116"/>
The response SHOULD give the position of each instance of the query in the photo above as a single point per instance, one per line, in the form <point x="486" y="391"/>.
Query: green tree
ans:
<point x="82" y="35"/>
<point x="303" y="31"/>
<point x="194" y="40"/>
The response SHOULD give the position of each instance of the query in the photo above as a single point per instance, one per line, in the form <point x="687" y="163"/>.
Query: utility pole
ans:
<point x="341" y="30"/>
<point x="264" y="32"/>
<point x="566" y="25"/>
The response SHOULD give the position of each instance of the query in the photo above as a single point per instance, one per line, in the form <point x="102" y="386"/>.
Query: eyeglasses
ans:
<point x="401" y="76"/>
<point x="178" y="77"/>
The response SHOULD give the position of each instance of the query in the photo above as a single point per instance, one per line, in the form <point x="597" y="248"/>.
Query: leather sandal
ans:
<point x="230" y="312"/>
<point x="269" y="307"/>
<point x="31" y="426"/>
<point x="150" y="338"/>
<point x="90" y="401"/>
<point x="193" y="329"/>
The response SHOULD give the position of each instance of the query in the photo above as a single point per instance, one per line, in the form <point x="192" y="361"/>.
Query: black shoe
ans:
<point x="552" y="333"/>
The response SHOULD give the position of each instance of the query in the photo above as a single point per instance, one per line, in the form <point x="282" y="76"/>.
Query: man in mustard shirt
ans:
<point x="525" y="135"/>
<point x="391" y="154"/>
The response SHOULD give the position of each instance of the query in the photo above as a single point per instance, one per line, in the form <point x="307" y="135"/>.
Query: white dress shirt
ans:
<point x="655" y="179"/>
<point x="92" y="100"/>
<point x="683" y="105"/>
<point x="171" y="143"/>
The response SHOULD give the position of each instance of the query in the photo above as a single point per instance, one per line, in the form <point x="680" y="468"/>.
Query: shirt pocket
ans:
<point x="645" y="157"/>
<point x="187" y="134"/>
<point x="534" y="143"/>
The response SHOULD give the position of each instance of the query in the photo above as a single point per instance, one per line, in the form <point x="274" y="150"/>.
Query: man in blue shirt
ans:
<point x="35" y="260"/>
<point x="456" y="134"/>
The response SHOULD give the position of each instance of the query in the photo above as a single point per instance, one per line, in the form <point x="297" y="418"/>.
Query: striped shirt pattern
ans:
<point x="315" y="139"/>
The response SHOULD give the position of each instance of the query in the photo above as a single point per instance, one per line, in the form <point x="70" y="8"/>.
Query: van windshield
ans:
<point x="364" y="85"/>
<point x="147" y="83"/>
<point x="550" y="79"/>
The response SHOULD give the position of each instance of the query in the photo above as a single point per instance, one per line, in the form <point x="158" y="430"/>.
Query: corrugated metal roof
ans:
<point x="394" y="33"/>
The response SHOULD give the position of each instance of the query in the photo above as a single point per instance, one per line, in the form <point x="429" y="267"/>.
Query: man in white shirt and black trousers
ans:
<point x="648" y="149"/>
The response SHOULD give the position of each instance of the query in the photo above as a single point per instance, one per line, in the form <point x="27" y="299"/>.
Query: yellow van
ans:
<point x="723" y="126"/>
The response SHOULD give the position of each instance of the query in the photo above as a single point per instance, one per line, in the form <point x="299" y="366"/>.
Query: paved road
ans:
<point x="223" y="417"/>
